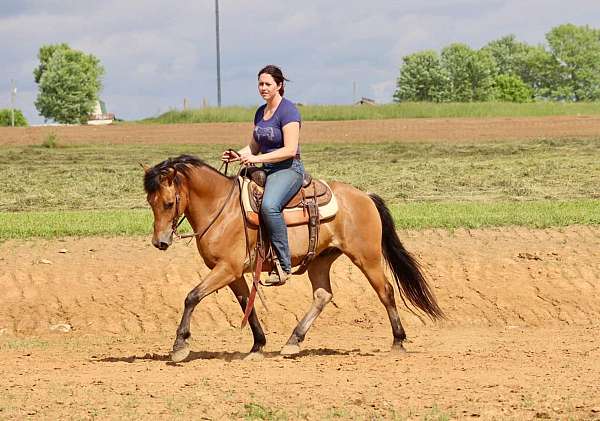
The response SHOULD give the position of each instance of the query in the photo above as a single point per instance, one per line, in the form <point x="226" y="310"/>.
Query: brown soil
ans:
<point x="521" y="341"/>
<point x="396" y="130"/>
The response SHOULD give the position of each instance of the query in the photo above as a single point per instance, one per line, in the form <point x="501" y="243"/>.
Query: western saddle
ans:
<point x="313" y="203"/>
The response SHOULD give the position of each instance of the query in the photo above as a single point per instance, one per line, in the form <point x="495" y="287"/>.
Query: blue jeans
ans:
<point x="283" y="182"/>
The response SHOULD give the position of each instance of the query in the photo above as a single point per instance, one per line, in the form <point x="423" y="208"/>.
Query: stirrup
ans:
<point x="278" y="276"/>
<point x="274" y="280"/>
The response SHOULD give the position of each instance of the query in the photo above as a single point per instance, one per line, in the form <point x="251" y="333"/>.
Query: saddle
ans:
<point x="313" y="203"/>
<point x="296" y="211"/>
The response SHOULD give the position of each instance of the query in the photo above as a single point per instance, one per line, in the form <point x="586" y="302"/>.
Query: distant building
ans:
<point x="99" y="116"/>
<point x="365" y="101"/>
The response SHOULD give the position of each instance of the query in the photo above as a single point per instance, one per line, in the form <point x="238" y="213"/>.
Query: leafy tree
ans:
<point x="511" y="88"/>
<point x="576" y="49"/>
<point x="5" y="118"/>
<point x="44" y="55"/>
<point x="471" y="73"/>
<point x="69" y="82"/>
<point x="421" y="78"/>
<point x="508" y="54"/>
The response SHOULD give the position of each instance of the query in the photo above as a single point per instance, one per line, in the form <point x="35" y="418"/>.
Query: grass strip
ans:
<point x="422" y="215"/>
<point x="536" y="214"/>
<point x="386" y="111"/>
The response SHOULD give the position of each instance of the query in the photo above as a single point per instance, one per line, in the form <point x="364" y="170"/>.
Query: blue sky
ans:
<point x="156" y="53"/>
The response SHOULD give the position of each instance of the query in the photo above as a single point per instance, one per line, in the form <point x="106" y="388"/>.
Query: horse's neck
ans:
<point x="207" y="192"/>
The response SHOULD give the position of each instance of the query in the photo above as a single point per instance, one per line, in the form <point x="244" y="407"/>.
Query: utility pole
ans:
<point x="13" y="96"/>
<point x="218" y="54"/>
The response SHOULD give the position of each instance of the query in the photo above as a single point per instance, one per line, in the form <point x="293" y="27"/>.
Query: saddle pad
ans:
<point x="292" y="217"/>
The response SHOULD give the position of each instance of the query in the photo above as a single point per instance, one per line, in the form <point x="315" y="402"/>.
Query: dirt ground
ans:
<point x="394" y="130"/>
<point x="521" y="341"/>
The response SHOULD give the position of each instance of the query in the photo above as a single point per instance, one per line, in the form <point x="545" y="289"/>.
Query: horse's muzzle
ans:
<point x="162" y="243"/>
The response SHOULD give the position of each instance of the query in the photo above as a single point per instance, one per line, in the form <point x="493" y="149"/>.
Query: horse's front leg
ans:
<point x="219" y="277"/>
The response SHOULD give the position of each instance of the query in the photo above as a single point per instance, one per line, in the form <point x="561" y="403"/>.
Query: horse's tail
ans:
<point x="406" y="269"/>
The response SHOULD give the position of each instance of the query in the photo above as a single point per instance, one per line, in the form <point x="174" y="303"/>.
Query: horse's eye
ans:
<point x="169" y="205"/>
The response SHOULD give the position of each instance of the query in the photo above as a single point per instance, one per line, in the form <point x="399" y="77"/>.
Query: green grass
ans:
<point x="385" y="111"/>
<point x="109" y="176"/>
<point x="449" y="215"/>
<point x="98" y="190"/>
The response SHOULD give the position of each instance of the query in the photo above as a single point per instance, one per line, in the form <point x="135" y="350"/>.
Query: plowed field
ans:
<point x="394" y="130"/>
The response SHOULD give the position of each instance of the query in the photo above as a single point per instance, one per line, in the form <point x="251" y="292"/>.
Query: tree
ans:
<point x="511" y="88"/>
<point x="540" y="71"/>
<point x="69" y="83"/>
<point x="508" y="53"/>
<point x="6" y="118"/>
<point x="576" y="49"/>
<point x="471" y="73"/>
<point x="44" y="55"/>
<point x="421" y="78"/>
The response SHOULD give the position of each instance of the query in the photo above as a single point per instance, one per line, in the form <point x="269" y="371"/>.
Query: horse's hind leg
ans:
<point x="370" y="264"/>
<point x="241" y="292"/>
<point x="318" y="272"/>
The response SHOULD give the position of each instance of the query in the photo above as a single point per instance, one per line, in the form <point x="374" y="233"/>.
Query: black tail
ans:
<point x="406" y="269"/>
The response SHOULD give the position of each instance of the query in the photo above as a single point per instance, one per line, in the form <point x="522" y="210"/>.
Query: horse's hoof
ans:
<point x="254" y="356"/>
<point x="398" y="349"/>
<point x="290" y="350"/>
<point x="180" y="355"/>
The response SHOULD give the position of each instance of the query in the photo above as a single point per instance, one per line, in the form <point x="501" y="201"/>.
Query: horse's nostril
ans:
<point x="163" y="246"/>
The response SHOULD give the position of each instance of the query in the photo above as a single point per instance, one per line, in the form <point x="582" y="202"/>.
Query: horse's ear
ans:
<point x="168" y="176"/>
<point x="146" y="167"/>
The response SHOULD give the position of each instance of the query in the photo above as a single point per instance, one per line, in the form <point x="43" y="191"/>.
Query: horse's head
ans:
<point x="164" y="194"/>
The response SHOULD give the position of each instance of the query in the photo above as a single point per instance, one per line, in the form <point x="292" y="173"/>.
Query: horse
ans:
<point x="362" y="229"/>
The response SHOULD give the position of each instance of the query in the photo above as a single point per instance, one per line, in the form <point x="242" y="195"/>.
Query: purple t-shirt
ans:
<point x="269" y="133"/>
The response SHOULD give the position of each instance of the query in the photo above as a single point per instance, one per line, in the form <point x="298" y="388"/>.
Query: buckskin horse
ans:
<point x="362" y="229"/>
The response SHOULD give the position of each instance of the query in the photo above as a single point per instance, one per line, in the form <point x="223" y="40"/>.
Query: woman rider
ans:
<point x="275" y="144"/>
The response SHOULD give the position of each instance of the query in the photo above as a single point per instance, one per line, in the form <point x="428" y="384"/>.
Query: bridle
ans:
<point x="177" y="221"/>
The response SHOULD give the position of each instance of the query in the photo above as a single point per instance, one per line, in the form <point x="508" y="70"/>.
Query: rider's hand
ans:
<point x="230" y="156"/>
<point x="249" y="159"/>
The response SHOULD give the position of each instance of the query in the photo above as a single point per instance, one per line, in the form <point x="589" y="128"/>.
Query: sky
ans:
<point x="156" y="52"/>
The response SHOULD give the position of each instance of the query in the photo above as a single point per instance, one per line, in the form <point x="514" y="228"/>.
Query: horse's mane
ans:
<point x="182" y="164"/>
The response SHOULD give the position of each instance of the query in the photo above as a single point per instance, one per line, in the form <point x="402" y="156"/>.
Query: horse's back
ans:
<point x="357" y="218"/>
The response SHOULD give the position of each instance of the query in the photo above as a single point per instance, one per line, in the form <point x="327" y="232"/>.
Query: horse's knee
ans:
<point x="322" y="297"/>
<point x="192" y="299"/>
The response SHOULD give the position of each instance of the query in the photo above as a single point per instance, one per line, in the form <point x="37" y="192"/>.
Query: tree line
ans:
<point x="568" y="69"/>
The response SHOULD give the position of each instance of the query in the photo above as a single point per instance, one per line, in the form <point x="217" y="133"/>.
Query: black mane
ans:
<point x="181" y="164"/>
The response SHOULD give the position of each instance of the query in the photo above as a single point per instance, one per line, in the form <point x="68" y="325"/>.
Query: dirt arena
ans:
<point x="521" y="341"/>
<point x="86" y="324"/>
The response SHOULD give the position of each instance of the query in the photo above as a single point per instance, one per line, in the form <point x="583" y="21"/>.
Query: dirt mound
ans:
<point x="393" y="130"/>
<point x="499" y="277"/>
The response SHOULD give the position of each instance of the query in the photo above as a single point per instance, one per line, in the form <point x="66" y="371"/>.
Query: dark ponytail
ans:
<point x="276" y="74"/>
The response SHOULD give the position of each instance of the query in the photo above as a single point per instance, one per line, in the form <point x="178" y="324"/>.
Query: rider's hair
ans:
<point x="276" y="74"/>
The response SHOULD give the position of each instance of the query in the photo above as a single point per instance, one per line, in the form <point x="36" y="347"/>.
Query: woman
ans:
<point x="275" y="144"/>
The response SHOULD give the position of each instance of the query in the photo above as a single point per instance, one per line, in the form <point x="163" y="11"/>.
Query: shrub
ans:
<point x="5" y="117"/>
<point x="511" y="88"/>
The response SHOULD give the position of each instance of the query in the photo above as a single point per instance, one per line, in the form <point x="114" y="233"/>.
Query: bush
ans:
<point x="5" y="118"/>
<point x="511" y="88"/>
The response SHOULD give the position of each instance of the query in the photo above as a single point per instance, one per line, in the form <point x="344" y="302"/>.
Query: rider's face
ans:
<point x="267" y="87"/>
